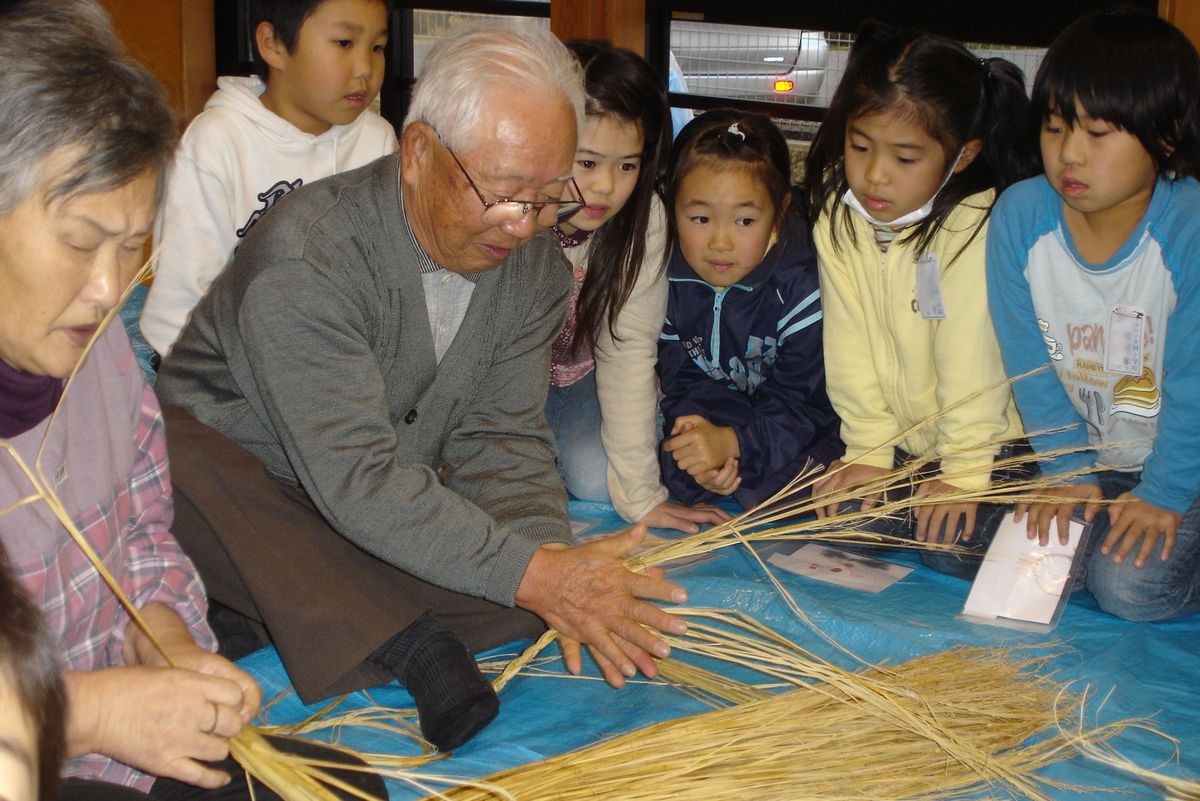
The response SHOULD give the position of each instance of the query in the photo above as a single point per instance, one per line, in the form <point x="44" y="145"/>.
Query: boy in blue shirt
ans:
<point x="1094" y="269"/>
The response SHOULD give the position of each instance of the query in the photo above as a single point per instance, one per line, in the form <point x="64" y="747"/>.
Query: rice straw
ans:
<point x="886" y="696"/>
<point x="389" y="721"/>
<point x="829" y="741"/>
<point x="1173" y="788"/>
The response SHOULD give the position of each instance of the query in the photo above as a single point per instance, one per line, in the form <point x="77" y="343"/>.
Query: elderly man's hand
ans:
<point x="588" y="595"/>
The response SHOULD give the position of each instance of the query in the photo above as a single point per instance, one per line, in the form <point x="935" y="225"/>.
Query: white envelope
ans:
<point x="1021" y="580"/>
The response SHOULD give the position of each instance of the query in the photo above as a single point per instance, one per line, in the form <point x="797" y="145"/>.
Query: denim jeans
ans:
<point x="573" y="413"/>
<point x="1158" y="591"/>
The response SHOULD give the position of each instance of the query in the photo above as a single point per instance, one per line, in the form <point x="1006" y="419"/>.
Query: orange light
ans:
<point x="784" y="85"/>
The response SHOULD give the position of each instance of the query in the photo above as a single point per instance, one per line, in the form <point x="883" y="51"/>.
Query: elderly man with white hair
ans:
<point x="355" y="412"/>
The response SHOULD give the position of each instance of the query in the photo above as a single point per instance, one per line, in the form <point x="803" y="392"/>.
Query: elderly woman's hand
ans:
<point x="217" y="666"/>
<point x="175" y="637"/>
<point x="165" y="720"/>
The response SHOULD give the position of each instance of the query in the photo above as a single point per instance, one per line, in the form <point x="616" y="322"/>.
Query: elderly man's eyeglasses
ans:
<point x="502" y="210"/>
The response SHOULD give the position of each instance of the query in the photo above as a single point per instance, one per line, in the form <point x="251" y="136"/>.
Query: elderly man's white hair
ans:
<point x="464" y="69"/>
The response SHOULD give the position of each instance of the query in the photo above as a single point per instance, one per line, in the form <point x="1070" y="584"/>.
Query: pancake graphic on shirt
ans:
<point x="1137" y="395"/>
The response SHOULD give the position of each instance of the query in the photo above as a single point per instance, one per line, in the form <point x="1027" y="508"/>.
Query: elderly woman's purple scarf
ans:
<point x="25" y="399"/>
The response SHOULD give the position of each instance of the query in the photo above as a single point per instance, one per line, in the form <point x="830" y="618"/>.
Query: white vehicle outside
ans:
<point x="749" y="62"/>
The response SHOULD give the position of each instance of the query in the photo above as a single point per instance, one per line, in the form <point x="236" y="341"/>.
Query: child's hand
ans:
<point x="684" y="518"/>
<point x="839" y="476"/>
<point x="1040" y="514"/>
<point x="698" y="446"/>
<point x="724" y="481"/>
<point x="942" y="521"/>
<point x="1133" y="519"/>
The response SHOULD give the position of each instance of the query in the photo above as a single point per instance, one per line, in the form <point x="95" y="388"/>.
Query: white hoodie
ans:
<point x="236" y="160"/>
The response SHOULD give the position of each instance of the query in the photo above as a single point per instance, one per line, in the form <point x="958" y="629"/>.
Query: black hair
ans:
<point x="29" y="662"/>
<point x="729" y="138"/>
<point x="620" y="84"/>
<point x="951" y="94"/>
<point x="1133" y="70"/>
<point x="286" y="17"/>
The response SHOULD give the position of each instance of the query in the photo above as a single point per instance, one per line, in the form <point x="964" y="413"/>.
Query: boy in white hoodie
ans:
<point x="255" y="142"/>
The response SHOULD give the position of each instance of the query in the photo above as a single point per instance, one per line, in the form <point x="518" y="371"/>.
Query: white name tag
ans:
<point x="929" y="289"/>
<point x="1123" y="340"/>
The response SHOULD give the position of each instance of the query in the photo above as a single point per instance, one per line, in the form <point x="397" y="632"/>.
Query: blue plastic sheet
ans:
<point x="1129" y="670"/>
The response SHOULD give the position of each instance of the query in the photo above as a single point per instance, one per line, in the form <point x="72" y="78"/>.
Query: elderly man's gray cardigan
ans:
<point x="313" y="351"/>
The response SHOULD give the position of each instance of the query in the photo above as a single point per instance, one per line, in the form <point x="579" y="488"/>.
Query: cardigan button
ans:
<point x="410" y="416"/>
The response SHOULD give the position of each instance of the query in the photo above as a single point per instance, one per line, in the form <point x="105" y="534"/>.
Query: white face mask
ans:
<point x="903" y="221"/>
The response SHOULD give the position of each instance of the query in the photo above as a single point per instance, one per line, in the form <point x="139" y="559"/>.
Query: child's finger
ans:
<point x="1065" y="513"/>
<point x="922" y="514"/>
<point x="1115" y="532"/>
<point x="968" y="528"/>
<point x="728" y="476"/>
<point x="1148" y="542"/>
<point x="1039" y="523"/>
<point x="1168" y="544"/>
<point x="685" y="422"/>
<point x="674" y="443"/>
<point x="871" y="501"/>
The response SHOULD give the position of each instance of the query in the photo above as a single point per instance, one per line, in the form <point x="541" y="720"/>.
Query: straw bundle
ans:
<point x="830" y="741"/>
<point x="709" y="688"/>
<point x="396" y="723"/>
<point x="791" y="513"/>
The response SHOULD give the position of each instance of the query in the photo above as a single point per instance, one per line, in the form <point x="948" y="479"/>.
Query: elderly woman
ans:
<point x="85" y="137"/>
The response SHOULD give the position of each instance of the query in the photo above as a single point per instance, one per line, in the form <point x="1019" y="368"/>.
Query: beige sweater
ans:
<point x="626" y="384"/>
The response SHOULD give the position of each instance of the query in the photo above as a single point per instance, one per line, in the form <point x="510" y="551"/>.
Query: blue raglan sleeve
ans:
<point x="1049" y="418"/>
<point x="1171" y="473"/>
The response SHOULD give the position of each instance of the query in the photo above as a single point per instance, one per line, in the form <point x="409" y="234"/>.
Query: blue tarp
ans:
<point x="1129" y="669"/>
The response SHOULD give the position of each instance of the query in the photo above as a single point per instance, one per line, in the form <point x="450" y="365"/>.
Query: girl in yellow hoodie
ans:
<point x="920" y="137"/>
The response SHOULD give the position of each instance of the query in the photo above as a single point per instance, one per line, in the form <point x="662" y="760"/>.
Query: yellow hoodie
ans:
<point x="888" y="369"/>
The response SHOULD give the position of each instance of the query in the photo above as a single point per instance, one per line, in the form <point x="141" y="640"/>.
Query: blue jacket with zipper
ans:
<point x="749" y="356"/>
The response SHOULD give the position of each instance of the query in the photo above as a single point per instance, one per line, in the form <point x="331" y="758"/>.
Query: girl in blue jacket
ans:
<point x="739" y="358"/>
